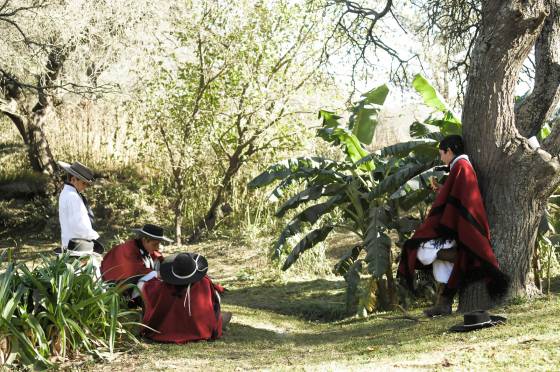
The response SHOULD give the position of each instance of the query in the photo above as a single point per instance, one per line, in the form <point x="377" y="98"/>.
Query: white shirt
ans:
<point x="73" y="216"/>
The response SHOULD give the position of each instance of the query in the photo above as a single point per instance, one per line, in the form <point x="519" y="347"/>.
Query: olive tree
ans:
<point x="237" y="84"/>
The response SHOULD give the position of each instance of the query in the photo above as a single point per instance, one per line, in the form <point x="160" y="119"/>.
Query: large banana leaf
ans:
<point x="395" y="180"/>
<point x="349" y="142"/>
<point x="309" y="194"/>
<point x="402" y="149"/>
<point x="377" y="245"/>
<point x="309" y="241"/>
<point x="309" y="215"/>
<point x="288" y="167"/>
<point x="363" y="120"/>
<point x="429" y="94"/>
<point x="330" y="119"/>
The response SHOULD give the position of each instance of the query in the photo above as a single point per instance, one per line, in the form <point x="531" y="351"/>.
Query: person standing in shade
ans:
<point x="75" y="214"/>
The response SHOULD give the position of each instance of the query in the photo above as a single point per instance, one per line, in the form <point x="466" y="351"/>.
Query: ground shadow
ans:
<point x="554" y="285"/>
<point x="317" y="300"/>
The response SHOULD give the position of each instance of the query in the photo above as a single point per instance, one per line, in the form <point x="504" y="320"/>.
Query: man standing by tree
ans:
<point x="76" y="217"/>
<point x="454" y="240"/>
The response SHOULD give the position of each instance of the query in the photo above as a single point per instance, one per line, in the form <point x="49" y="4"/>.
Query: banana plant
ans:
<point x="375" y="193"/>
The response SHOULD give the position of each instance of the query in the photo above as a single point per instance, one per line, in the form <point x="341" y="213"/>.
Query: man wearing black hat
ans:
<point x="136" y="257"/>
<point x="183" y="304"/>
<point x="76" y="217"/>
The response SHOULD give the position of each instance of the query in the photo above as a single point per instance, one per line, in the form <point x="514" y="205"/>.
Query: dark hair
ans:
<point x="454" y="143"/>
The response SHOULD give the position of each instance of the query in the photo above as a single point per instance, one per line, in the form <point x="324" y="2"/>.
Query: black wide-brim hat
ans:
<point x="78" y="170"/>
<point x="152" y="232"/>
<point x="477" y="319"/>
<point x="183" y="268"/>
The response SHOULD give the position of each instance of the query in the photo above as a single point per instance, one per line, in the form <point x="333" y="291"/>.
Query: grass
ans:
<point x="293" y="322"/>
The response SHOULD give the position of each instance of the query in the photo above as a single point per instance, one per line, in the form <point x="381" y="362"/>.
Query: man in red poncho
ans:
<point x="454" y="240"/>
<point x="134" y="258"/>
<point x="183" y="304"/>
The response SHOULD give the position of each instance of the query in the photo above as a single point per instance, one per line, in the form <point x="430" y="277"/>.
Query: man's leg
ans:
<point x="442" y="306"/>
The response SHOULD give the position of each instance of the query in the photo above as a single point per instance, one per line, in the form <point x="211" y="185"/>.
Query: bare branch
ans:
<point x="541" y="103"/>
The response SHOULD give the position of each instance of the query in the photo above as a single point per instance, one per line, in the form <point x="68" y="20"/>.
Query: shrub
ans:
<point x="60" y="310"/>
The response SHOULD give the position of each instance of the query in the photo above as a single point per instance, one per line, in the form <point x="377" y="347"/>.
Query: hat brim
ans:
<point x="166" y="274"/>
<point x="494" y="320"/>
<point x="68" y="169"/>
<point x="162" y="238"/>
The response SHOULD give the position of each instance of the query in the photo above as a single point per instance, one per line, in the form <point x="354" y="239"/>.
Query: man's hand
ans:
<point x="434" y="184"/>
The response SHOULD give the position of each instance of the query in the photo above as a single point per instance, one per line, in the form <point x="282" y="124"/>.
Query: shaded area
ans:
<point x="7" y="148"/>
<point x="318" y="300"/>
<point x="554" y="285"/>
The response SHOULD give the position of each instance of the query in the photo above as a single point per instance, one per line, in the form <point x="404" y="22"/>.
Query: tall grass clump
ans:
<point x="59" y="311"/>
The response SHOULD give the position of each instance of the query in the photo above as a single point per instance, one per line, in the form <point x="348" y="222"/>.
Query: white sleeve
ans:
<point x="141" y="281"/>
<point x="76" y="217"/>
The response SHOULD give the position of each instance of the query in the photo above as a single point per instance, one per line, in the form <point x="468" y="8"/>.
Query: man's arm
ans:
<point x="79" y="224"/>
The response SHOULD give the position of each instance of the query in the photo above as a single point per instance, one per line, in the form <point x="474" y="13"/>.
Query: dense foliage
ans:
<point x="376" y="195"/>
<point x="59" y="310"/>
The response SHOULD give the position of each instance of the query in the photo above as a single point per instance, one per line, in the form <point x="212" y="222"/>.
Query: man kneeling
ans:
<point x="182" y="304"/>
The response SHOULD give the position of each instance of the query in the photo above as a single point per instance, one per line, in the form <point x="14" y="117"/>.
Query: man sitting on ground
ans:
<point x="182" y="304"/>
<point x="454" y="240"/>
<point x="136" y="257"/>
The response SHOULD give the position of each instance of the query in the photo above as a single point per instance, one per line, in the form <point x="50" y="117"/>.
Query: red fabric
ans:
<point x="458" y="212"/>
<point x="167" y="311"/>
<point x="124" y="261"/>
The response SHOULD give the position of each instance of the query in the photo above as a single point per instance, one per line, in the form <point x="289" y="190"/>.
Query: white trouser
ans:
<point x="427" y="254"/>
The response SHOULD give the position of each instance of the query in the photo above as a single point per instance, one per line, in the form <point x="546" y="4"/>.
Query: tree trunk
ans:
<point x="218" y="208"/>
<point x="39" y="151"/>
<point x="178" y="210"/>
<point x="515" y="180"/>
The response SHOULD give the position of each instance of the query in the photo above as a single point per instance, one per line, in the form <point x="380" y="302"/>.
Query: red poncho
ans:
<point x="167" y="311"/>
<point x="125" y="261"/>
<point x="458" y="213"/>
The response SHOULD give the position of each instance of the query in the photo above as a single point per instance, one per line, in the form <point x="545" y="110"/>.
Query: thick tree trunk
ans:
<point x="39" y="151"/>
<point x="514" y="179"/>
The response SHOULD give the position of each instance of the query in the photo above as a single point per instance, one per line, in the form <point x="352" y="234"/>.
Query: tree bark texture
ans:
<point x="219" y="207"/>
<point x="515" y="179"/>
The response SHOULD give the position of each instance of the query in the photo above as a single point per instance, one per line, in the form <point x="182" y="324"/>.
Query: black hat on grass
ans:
<point x="183" y="268"/>
<point x="476" y="320"/>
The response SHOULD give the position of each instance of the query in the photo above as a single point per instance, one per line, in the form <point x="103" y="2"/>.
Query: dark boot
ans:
<point x="442" y="306"/>
<point x="447" y="254"/>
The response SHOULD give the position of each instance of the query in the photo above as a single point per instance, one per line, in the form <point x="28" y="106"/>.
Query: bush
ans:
<point x="58" y="311"/>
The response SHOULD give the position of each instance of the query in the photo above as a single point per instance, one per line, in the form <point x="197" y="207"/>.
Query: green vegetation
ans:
<point x="377" y="194"/>
<point x="292" y="323"/>
<point x="59" y="310"/>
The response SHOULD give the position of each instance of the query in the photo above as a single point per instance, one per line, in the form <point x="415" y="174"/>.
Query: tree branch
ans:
<point x="541" y="103"/>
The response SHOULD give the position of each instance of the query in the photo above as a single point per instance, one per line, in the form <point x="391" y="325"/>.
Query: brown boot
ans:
<point x="442" y="306"/>
<point x="226" y="318"/>
<point x="447" y="254"/>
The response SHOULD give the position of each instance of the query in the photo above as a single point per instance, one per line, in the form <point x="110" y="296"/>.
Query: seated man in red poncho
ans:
<point x="134" y="258"/>
<point x="182" y="304"/>
<point x="454" y="240"/>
